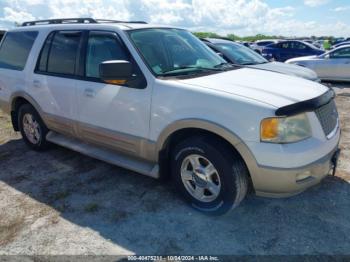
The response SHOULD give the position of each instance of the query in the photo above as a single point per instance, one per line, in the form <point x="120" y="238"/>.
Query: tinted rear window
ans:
<point x="63" y="53"/>
<point x="15" y="49"/>
<point x="44" y="54"/>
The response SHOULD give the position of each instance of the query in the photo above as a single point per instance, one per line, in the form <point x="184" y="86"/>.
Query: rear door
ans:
<point x="53" y="85"/>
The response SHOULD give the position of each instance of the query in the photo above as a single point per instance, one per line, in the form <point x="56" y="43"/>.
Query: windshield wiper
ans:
<point x="250" y="63"/>
<point x="197" y="68"/>
<point x="253" y="63"/>
<point x="223" y="65"/>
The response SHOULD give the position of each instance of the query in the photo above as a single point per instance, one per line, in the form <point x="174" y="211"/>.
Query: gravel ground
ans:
<point x="61" y="202"/>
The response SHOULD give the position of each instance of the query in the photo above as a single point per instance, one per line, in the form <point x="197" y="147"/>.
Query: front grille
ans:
<point x="328" y="117"/>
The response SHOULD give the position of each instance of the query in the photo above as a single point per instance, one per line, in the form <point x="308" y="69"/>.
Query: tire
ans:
<point x="33" y="132"/>
<point x="230" y="181"/>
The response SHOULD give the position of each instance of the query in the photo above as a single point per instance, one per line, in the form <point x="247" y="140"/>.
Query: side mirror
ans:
<point x="116" y="72"/>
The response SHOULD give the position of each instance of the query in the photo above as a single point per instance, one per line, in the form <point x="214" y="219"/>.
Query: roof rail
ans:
<point x="118" y="21"/>
<point x="77" y="21"/>
<point x="61" y="21"/>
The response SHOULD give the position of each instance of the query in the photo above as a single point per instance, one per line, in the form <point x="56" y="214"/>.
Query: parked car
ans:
<point x="285" y="50"/>
<point x="333" y="65"/>
<point x="341" y="44"/>
<point x="318" y="44"/>
<point x="158" y="101"/>
<point x="238" y="54"/>
<point x="260" y="44"/>
<point x="247" y="44"/>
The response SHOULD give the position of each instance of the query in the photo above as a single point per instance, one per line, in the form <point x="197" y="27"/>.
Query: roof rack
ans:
<point x="77" y="21"/>
<point x="61" y="21"/>
<point x="118" y="21"/>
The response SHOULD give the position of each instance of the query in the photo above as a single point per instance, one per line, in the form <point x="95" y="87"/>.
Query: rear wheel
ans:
<point x="32" y="127"/>
<point x="210" y="177"/>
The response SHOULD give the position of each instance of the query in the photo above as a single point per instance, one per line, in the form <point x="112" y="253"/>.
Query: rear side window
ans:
<point x="15" y="49"/>
<point x="59" y="53"/>
<point x="42" y="66"/>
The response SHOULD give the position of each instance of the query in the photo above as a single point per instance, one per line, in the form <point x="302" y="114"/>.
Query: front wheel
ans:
<point x="212" y="178"/>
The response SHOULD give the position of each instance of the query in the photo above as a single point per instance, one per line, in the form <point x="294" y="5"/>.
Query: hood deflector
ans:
<point x="307" y="105"/>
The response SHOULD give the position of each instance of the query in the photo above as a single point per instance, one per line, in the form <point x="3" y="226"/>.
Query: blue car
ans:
<point x="285" y="50"/>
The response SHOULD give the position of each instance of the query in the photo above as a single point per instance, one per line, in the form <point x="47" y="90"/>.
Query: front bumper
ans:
<point x="289" y="182"/>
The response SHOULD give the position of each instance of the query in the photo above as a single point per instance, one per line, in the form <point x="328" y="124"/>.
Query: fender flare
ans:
<point x="212" y="127"/>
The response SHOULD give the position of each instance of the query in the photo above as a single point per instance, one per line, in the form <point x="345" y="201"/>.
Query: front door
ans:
<point x="284" y="51"/>
<point x="340" y="69"/>
<point x="114" y="116"/>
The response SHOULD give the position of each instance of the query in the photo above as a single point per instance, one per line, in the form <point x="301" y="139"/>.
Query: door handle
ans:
<point x="36" y="83"/>
<point x="89" y="92"/>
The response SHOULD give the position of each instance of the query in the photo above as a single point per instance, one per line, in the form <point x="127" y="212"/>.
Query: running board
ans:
<point x="105" y="155"/>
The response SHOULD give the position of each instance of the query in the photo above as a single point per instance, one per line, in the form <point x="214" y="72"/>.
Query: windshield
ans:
<point x="240" y="54"/>
<point x="175" y="52"/>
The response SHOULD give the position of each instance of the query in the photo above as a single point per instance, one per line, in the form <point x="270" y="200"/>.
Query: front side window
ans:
<point x="15" y="49"/>
<point x="285" y="45"/>
<point x="240" y="54"/>
<point x="341" y="53"/>
<point x="102" y="47"/>
<point x="175" y="52"/>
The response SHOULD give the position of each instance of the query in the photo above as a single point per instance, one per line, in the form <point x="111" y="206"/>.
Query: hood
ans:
<point x="264" y="86"/>
<point x="288" y="69"/>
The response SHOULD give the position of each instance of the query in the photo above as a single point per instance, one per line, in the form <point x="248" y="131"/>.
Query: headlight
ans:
<point x="285" y="129"/>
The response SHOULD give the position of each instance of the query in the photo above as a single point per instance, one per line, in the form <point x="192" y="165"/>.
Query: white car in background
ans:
<point x="333" y="65"/>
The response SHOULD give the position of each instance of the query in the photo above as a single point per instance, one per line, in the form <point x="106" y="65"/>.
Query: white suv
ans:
<point x="158" y="101"/>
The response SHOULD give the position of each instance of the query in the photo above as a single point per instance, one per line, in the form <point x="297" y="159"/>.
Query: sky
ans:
<point x="240" y="17"/>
